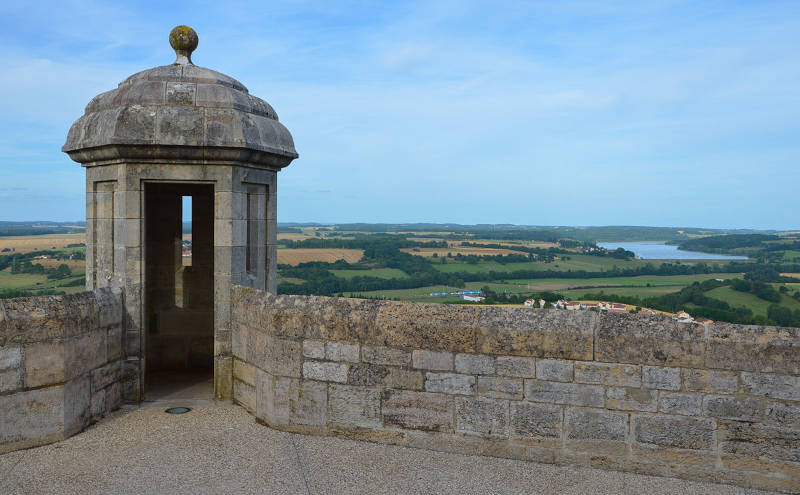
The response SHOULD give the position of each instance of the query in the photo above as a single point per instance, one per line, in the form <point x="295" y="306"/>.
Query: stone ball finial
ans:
<point x="183" y="40"/>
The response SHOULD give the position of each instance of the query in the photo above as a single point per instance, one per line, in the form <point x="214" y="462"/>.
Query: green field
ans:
<point x="35" y="282"/>
<point x="758" y="305"/>
<point x="576" y="262"/>
<point x="791" y="256"/>
<point x="386" y="273"/>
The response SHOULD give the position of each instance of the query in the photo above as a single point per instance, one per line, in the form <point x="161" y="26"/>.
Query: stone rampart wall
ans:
<point x="623" y="392"/>
<point x="60" y="365"/>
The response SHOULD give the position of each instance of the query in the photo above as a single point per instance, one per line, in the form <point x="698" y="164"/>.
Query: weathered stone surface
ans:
<point x="10" y="379"/>
<point x="474" y="364"/>
<point x="535" y="421"/>
<point x="432" y="360"/>
<point x="500" y="388"/>
<point x="314" y="349"/>
<point x="484" y="417"/>
<point x="38" y="319"/>
<point x="775" y="386"/>
<point x="280" y="356"/>
<point x="367" y="375"/>
<point x="417" y="410"/>
<point x="754" y="348"/>
<point x="556" y="370"/>
<point x="737" y="408"/>
<point x="632" y="399"/>
<point x="3" y="325"/>
<point x="621" y="375"/>
<point x="588" y="424"/>
<point x="518" y="367"/>
<point x="564" y="393"/>
<point x="755" y="440"/>
<point x="106" y="375"/>
<point x="282" y="400"/>
<point x="109" y="307"/>
<point x="450" y="383"/>
<point x="223" y="379"/>
<point x="35" y="416"/>
<point x="114" y="343"/>
<point x="45" y="364"/>
<point x="661" y="378"/>
<point x="654" y="340"/>
<point x="244" y="394"/>
<point x="684" y="404"/>
<point x="385" y="355"/>
<point x="245" y="372"/>
<point x="674" y="431"/>
<point x="324" y="371"/>
<point x="713" y="381"/>
<point x="354" y="406"/>
<point x="521" y="332"/>
<point x="782" y="415"/>
<point x="342" y="351"/>
<point x="77" y="405"/>
<point x="10" y="357"/>
<point x="406" y="379"/>
<point x="85" y="352"/>
<point x="437" y="327"/>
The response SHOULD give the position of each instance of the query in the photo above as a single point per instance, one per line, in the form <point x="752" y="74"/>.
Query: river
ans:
<point x="656" y="250"/>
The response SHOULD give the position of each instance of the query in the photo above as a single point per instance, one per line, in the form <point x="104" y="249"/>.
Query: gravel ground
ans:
<point x="220" y="449"/>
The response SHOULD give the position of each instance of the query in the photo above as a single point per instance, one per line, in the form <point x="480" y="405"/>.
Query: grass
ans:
<point x="386" y="273"/>
<point x="576" y="262"/>
<point x="758" y="305"/>
<point x="10" y="280"/>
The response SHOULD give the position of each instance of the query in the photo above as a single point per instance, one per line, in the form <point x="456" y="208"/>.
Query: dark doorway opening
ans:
<point x="179" y="296"/>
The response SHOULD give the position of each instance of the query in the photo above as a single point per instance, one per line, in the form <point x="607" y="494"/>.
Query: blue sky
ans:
<point x="666" y="113"/>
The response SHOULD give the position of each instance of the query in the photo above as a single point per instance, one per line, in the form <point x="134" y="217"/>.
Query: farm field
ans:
<point x="296" y="256"/>
<point x="464" y="250"/>
<point x="28" y="243"/>
<point x="576" y="262"/>
<point x="30" y="281"/>
<point x="758" y="305"/>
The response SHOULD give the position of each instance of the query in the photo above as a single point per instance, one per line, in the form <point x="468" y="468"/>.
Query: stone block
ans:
<point x="661" y="378"/>
<point x="106" y="375"/>
<point x="711" y="381"/>
<point x="77" y="405"/>
<point x="632" y="399"/>
<point x="10" y="379"/>
<point x="45" y="364"/>
<point x="549" y="333"/>
<point x="674" y="431"/>
<point x="97" y="407"/>
<point x="342" y="351"/>
<point x="782" y="415"/>
<point x="399" y="378"/>
<point x="756" y="440"/>
<point x="109" y="307"/>
<point x="244" y="372"/>
<point x="554" y="370"/>
<point x="736" y="408"/>
<point x="483" y="417"/>
<point x="38" y="319"/>
<point x="385" y="355"/>
<point x="437" y="327"/>
<point x="244" y="394"/>
<point x="239" y="339"/>
<point x="113" y="396"/>
<point x="314" y="349"/>
<point x="432" y="360"/>
<point x="450" y="383"/>
<point x="754" y="348"/>
<point x="655" y="340"/>
<point x="775" y="386"/>
<point x="683" y="404"/>
<point x="594" y="425"/>
<point x="474" y="364"/>
<point x="499" y="387"/>
<point x="326" y="372"/>
<point x="620" y="375"/>
<point x="223" y="378"/>
<point x="574" y="394"/>
<point x="417" y="410"/>
<point x="85" y="353"/>
<point x="281" y="356"/>
<point x="535" y="421"/>
<point x="114" y="343"/>
<point x="32" y="417"/>
<point x="10" y="357"/>
<point x="367" y="375"/>
<point x="354" y="406"/>
<point x="518" y="367"/>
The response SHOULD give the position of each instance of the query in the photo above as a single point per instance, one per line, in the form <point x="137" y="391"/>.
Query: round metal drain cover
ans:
<point x="177" y="410"/>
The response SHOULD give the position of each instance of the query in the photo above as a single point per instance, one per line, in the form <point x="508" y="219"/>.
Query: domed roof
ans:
<point x="180" y="112"/>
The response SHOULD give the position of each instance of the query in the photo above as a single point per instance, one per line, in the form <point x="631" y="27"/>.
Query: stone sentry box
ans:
<point x="165" y="133"/>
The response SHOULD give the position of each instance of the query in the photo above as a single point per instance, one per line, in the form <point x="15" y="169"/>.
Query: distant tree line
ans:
<point x="725" y="243"/>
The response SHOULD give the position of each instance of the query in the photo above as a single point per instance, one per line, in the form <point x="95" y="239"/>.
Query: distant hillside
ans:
<point x="726" y="243"/>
